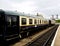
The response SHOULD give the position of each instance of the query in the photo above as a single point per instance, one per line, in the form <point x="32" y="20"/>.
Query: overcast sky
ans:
<point x="47" y="7"/>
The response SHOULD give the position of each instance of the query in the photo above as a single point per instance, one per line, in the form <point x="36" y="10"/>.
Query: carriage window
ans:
<point x="8" y="19"/>
<point x="23" y="20"/>
<point x="40" y="21"/>
<point x="14" y="20"/>
<point x="35" y="21"/>
<point x="30" y="21"/>
<point x="1" y="20"/>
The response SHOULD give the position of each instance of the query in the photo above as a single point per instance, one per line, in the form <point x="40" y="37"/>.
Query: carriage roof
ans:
<point x="19" y="14"/>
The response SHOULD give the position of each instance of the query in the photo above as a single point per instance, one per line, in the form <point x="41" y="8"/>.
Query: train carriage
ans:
<point x="15" y="24"/>
<point x="9" y="25"/>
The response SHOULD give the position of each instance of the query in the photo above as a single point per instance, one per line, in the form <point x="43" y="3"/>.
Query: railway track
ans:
<point x="45" y="39"/>
<point x="28" y="41"/>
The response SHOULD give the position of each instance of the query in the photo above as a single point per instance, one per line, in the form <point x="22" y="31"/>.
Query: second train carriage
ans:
<point x="14" y="24"/>
<point x="31" y="23"/>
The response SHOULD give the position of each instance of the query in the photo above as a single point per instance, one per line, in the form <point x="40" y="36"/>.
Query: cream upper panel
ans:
<point x="20" y="17"/>
<point x="27" y="20"/>
<point x="32" y="21"/>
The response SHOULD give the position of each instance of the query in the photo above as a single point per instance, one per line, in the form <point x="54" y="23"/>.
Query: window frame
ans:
<point x="35" y="21"/>
<point x="40" y="21"/>
<point x="30" y="21"/>
<point x="22" y="22"/>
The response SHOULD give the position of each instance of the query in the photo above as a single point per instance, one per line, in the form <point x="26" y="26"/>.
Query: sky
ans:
<point x="46" y="7"/>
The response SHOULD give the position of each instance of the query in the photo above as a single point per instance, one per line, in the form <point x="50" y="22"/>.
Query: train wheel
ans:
<point x="20" y="35"/>
<point x="27" y="33"/>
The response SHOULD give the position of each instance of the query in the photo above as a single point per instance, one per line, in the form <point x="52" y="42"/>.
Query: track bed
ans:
<point x="45" y="39"/>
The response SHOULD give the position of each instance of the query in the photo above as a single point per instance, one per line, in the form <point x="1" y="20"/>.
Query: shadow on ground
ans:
<point x="9" y="43"/>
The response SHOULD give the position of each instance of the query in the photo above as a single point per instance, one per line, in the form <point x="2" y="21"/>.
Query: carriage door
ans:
<point x="8" y="25"/>
<point x="15" y="24"/>
<point x="11" y="25"/>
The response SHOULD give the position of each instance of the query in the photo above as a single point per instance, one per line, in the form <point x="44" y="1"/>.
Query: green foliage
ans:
<point x="58" y="21"/>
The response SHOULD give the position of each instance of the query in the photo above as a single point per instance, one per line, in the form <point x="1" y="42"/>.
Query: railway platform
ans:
<point x="56" y="40"/>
